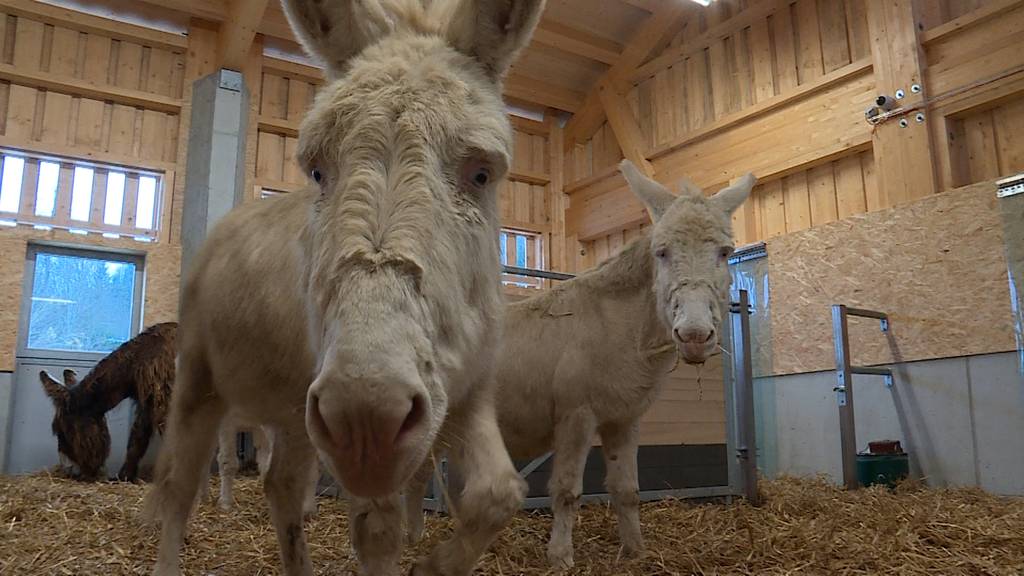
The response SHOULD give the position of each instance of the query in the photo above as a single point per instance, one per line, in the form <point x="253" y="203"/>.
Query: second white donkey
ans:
<point x="591" y="355"/>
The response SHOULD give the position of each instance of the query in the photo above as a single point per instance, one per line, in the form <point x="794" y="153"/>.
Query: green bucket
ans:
<point x="886" y="469"/>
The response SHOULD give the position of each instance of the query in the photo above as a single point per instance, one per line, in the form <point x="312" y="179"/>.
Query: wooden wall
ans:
<point x="780" y="87"/>
<point x="76" y="86"/>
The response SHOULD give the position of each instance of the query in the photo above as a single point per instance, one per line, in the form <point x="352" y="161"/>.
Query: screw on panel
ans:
<point x="884" y="322"/>
<point x="919" y="117"/>
<point x="900" y="94"/>
<point x="888" y="380"/>
<point x="915" y="88"/>
<point x="904" y="123"/>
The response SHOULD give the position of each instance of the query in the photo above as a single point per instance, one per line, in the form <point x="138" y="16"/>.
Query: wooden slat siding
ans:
<point x="784" y="55"/>
<point x="722" y="90"/>
<point x="160" y="77"/>
<point x="539" y="206"/>
<point x="292" y="171"/>
<point x="835" y="47"/>
<point x="154" y="135"/>
<point x="857" y="29"/>
<point x="28" y="44"/>
<point x="1009" y="122"/>
<point x="741" y="65"/>
<point x="298" y="99"/>
<point x="761" y="51"/>
<point x="982" y="159"/>
<point x="696" y="90"/>
<point x="96" y="64"/>
<point x="89" y="125"/>
<point x="64" y="52"/>
<point x="270" y="156"/>
<point x="809" y="50"/>
<point x="849" y="178"/>
<point x="274" y="99"/>
<point x="21" y="112"/>
<point x="821" y="186"/>
<point x="506" y="197"/>
<point x="975" y="53"/>
<point x="56" y="116"/>
<point x="129" y="65"/>
<point x="797" y="202"/>
<point x="774" y="208"/>
<point x="667" y="104"/>
<point x="522" y="201"/>
<point x="522" y="154"/>
<point x="98" y="202"/>
<point x="874" y="195"/>
<point x="540" y="154"/>
<point x="122" y="130"/>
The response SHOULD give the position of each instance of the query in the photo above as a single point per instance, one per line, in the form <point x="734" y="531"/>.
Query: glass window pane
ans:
<point x="115" y="199"/>
<point x="147" y="201"/>
<point x="46" y="189"/>
<point x="10" y="186"/>
<point x="503" y="242"/>
<point x="521" y="251"/>
<point x="80" y="304"/>
<point x="81" y="194"/>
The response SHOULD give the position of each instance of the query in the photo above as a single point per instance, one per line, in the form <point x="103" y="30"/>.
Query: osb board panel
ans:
<point x="937" y="267"/>
<point x="163" y="265"/>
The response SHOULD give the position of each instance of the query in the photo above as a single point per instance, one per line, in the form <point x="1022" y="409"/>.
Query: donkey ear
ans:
<point x="55" y="390"/>
<point x="655" y="197"/>
<point x="730" y="198"/>
<point x="494" y="31"/>
<point x="334" y="31"/>
<point x="70" y="377"/>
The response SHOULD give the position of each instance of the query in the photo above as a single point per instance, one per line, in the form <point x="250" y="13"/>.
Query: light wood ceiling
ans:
<point x="576" y="44"/>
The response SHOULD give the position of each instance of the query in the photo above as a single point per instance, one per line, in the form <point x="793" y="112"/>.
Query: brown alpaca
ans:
<point x="141" y="369"/>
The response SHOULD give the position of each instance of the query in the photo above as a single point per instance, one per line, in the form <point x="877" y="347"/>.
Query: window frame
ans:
<point x="138" y="259"/>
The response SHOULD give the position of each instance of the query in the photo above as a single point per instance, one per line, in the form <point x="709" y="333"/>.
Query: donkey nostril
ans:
<point x="711" y="335"/>
<point x="679" y="335"/>
<point x="416" y="414"/>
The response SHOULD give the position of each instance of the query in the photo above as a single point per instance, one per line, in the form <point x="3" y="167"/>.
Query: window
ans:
<point x="81" y="301"/>
<point x="521" y="250"/>
<point x="78" y="196"/>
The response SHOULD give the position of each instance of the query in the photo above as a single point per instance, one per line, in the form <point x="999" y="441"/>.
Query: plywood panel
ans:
<point x="885" y="261"/>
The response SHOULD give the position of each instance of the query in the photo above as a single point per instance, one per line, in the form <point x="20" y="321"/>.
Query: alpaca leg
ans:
<point x="138" y="442"/>
<point x="492" y="494"/>
<point x="285" y="485"/>
<point x="573" y="438"/>
<point x="195" y="416"/>
<point x="227" y="463"/>
<point x="415" y="491"/>
<point x="619" y="444"/>
<point x="376" y="534"/>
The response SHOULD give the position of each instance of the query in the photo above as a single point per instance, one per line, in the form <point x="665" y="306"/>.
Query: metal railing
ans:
<point x="844" y="388"/>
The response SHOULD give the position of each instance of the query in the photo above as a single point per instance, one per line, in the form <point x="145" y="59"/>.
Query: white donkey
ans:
<point x="362" y="316"/>
<point x="592" y="354"/>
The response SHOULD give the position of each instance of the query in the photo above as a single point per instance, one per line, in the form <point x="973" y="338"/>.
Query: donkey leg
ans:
<point x="619" y="444"/>
<point x="376" y="534"/>
<point x="138" y="442"/>
<point x="309" y="505"/>
<point x="573" y="438"/>
<point x="415" y="491"/>
<point x="227" y="463"/>
<point x="492" y="494"/>
<point x="261" y="443"/>
<point x="184" y="462"/>
<point x="285" y="484"/>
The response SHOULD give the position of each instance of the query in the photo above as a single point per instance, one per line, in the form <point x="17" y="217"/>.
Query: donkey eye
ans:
<point x="724" y="252"/>
<point x="482" y="177"/>
<point x="661" y="252"/>
<point x="317" y="176"/>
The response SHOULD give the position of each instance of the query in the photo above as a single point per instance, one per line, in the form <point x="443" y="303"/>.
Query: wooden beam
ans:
<point x="904" y="159"/>
<point x="75" y="87"/>
<point x="624" y="125"/>
<point x="972" y="18"/>
<point x="542" y="93"/>
<point x="651" y="33"/>
<point x="528" y="126"/>
<point x="58" y="16"/>
<point x="237" y="31"/>
<point x="578" y="42"/>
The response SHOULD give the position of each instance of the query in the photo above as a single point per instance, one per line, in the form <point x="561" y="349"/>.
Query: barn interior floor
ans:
<point x="54" y="526"/>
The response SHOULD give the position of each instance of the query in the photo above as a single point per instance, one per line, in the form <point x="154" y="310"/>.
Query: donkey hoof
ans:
<point x="560" y="559"/>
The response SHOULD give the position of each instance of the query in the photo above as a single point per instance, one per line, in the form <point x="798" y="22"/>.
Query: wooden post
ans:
<point x="556" y="191"/>
<point x="624" y="125"/>
<point x="903" y="155"/>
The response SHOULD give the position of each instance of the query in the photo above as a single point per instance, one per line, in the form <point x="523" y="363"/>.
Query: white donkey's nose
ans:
<point x="695" y="334"/>
<point x="367" y="427"/>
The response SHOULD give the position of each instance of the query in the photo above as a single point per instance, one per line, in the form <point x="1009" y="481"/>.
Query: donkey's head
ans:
<point x="82" y="434"/>
<point x="691" y="243"/>
<point x="406" y="145"/>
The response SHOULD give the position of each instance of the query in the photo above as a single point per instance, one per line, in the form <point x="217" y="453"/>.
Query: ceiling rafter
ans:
<point x="237" y="31"/>
<point x="575" y="41"/>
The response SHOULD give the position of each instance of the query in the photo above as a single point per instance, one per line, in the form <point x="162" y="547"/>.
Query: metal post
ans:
<point x="743" y="392"/>
<point x="844" y="397"/>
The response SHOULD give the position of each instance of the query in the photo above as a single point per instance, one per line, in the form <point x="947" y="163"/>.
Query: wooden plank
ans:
<point x="96" y="63"/>
<point x="62" y="205"/>
<point x="697" y="85"/>
<point x="88" y="89"/>
<point x="857" y="29"/>
<point x="558" y="201"/>
<point x="773" y="209"/>
<point x="985" y="13"/>
<point x="64" y="52"/>
<point x="528" y="125"/>
<point x="740" y="64"/>
<point x="98" y="203"/>
<point x="723" y="92"/>
<point x="543" y="93"/>
<point x="798" y="210"/>
<point x="835" y="47"/>
<point x="56" y="118"/>
<point x="129" y="206"/>
<point x="269" y="156"/>
<point x="521" y="201"/>
<point x="89" y="128"/>
<point x="21" y="112"/>
<point x="158" y="79"/>
<point x="122" y="131"/>
<point x="1009" y="123"/>
<point x="522" y="155"/>
<point x="761" y="50"/>
<point x="575" y="41"/>
<point x="821" y="186"/>
<point x="786" y="75"/>
<point x="28" y="45"/>
<point x="298" y="99"/>
<point x="874" y="195"/>
<point x="982" y="159"/>
<point x="129" y="65"/>
<point x="60" y="16"/>
<point x="849" y="177"/>
<point x="29" y="185"/>
<point x="809" y="49"/>
<point x="154" y="135"/>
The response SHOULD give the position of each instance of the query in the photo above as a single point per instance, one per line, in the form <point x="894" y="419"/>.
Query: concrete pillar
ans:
<point x="215" y="170"/>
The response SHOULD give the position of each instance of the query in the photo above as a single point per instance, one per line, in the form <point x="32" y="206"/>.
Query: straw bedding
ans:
<point x="53" y="526"/>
